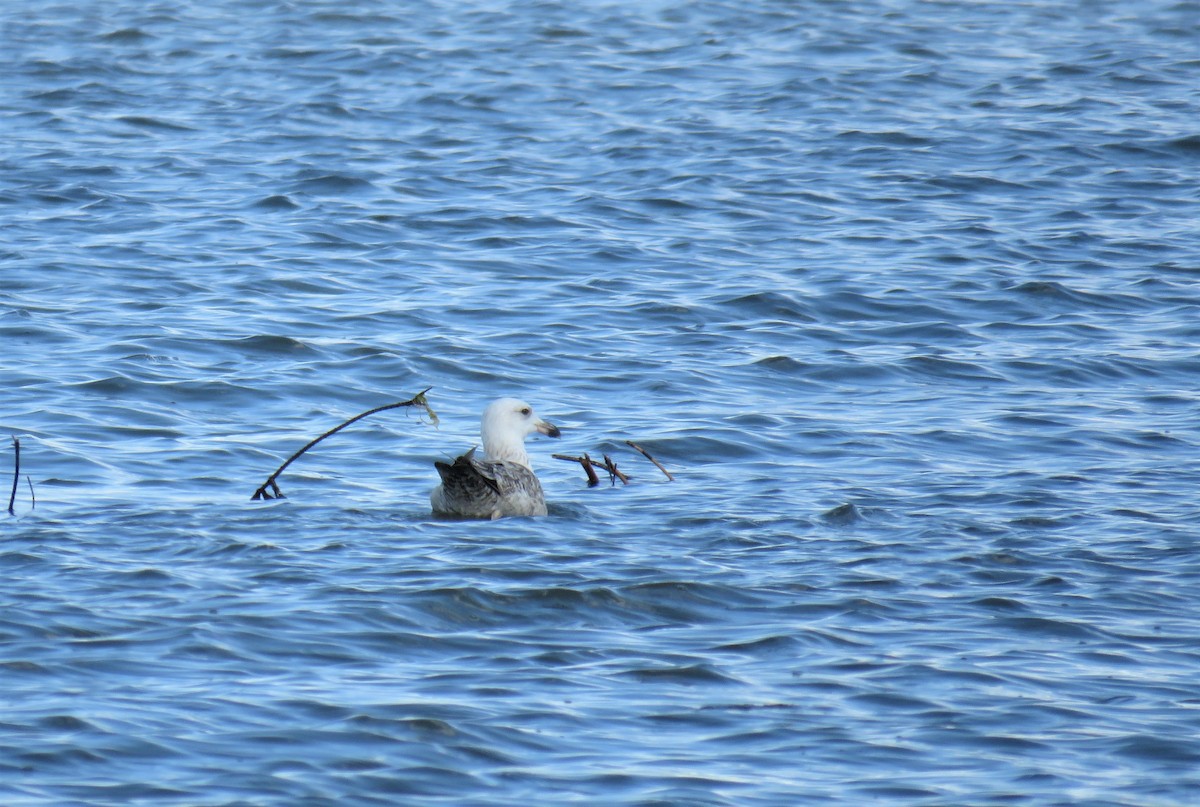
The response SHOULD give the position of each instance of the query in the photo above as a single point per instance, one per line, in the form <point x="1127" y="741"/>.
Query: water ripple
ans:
<point x="906" y="304"/>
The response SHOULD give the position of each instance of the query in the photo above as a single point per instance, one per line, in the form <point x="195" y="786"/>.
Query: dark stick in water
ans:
<point x="16" y="475"/>
<point x="646" y="454"/>
<point x="587" y="462"/>
<point x="613" y="473"/>
<point x="276" y="493"/>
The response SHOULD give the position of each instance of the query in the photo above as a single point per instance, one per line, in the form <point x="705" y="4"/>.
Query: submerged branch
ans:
<point x="608" y="466"/>
<point x="12" y="498"/>
<point x="417" y="400"/>
<point x="586" y="462"/>
<point x="646" y="454"/>
<point x="613" y="473"/>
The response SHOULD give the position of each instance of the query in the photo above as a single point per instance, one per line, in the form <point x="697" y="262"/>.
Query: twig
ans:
<point x="613" y="473"/>
<point x="586" y="462"/>
<point x="12" y="498"/>
<point x="608" y="466"/>
<point x="32" y="498"/>
<point x="416" y="400"/>
<point x="646" y="454"/>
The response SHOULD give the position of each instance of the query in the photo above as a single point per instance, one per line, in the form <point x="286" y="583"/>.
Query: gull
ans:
<point x="501" y="483"/>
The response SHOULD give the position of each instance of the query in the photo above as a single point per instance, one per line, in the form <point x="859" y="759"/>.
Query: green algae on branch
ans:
<point x="417" y="400"/>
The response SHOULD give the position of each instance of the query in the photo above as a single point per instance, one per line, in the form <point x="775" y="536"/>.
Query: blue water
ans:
<point x="906" y="294"/>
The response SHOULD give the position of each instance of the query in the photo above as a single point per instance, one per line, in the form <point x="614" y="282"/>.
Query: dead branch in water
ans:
<point x="586" y="462"/>
<point x="417" y="400"/>
<point x="613" y="473"/>
<point x="608" y="466"/>
<point x="646" y="454"/>
<point x="12" y="498"/>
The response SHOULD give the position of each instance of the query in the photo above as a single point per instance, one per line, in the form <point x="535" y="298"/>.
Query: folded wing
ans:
<point x="478" y="488"/>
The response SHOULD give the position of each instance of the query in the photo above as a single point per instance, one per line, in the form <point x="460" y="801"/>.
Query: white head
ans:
<point x="506" y="424"/>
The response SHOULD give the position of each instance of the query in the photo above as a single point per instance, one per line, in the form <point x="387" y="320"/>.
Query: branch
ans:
<point x="586" y="462"/>
<point x="613" y="473"/>
<point x="12" y="498"/>
<point x="646" y="454"/>
<point x="608" y="466"/>
<point x="416" y="400"/>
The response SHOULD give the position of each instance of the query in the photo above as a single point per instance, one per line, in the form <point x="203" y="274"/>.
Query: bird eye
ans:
<point x="526" y="411"/>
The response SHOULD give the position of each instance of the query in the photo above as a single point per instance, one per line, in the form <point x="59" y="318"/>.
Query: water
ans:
<point x="904" y="293"/>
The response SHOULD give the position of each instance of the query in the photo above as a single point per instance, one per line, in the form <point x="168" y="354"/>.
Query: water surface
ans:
<point x="904" y="293"/>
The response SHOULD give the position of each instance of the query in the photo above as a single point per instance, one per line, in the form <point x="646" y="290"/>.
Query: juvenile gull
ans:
<point x="501" y="483"/>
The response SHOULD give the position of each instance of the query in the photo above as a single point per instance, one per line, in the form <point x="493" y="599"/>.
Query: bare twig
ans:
<point x="646" y="454"/>
<point x="613" y="473"/>
<point x="586" y="462"/>
<point x="608" y="466"/>
<point x="585" y="459"/>
<point x="32" y="498"/>
<point x="276" y="493"/>
<point x="12" y="499"/>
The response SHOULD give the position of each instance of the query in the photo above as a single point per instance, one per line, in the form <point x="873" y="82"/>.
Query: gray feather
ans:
<point x="477" y="488"/>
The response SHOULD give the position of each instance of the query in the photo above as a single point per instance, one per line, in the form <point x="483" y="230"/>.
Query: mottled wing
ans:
<point x="477" y="488"/>
<point x="468" y="479"/>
